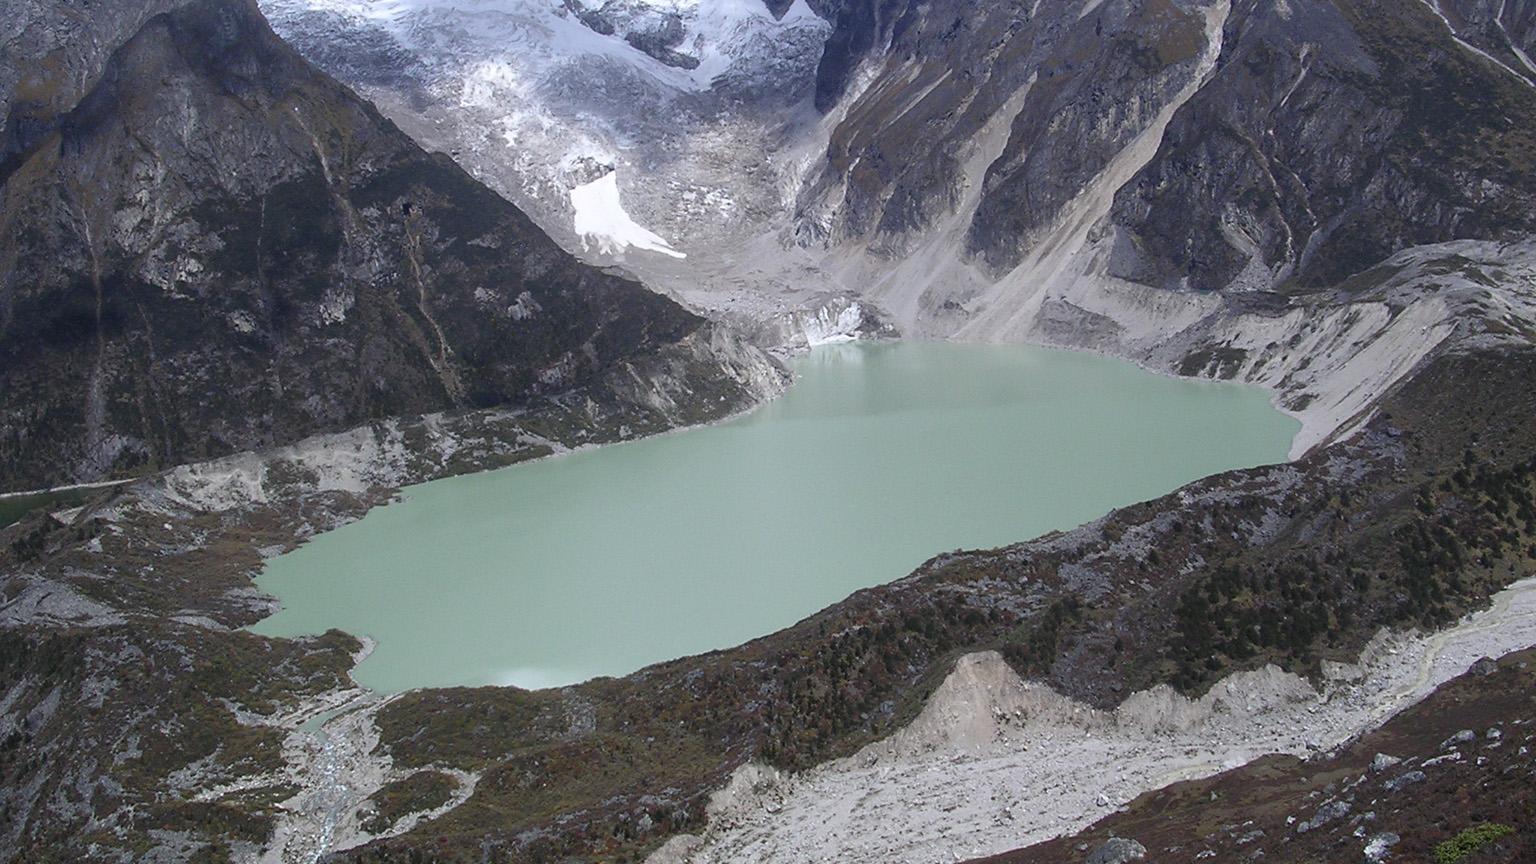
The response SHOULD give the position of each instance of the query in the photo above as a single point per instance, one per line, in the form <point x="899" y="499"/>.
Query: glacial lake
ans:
<point x="881" y="456"/>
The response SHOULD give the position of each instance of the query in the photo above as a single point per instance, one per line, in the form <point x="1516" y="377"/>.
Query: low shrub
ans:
<point x="1471" y="840"/>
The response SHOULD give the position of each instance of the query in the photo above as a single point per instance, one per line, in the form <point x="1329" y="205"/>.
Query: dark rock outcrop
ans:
<point x="896" y="161"/>
<point x="661" y="40"/>
<point x="1095" y="92"/>
<point x="1335" y="134"/>
<point x="209" y="246"/>
<point x="1328" y="135"/>
<point x="1117" y="850"/>
<point x="1504" y="29"/>
<point x="857" y="27"/>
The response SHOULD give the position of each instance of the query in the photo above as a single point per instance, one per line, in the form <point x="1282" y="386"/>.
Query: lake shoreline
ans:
<point x="979" y="489"/>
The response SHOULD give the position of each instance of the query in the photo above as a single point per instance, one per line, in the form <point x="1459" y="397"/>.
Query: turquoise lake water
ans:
<point x="880" y="457"/>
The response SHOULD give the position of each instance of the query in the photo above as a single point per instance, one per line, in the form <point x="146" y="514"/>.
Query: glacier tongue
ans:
<point x="824" y="329"/>
<point x="602" y="222"/>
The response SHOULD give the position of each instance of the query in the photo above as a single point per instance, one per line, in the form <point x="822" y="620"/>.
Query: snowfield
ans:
<point x="601" y="220"/>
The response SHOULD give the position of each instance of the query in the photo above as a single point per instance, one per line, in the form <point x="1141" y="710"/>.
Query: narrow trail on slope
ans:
<point x="1400" y="698"/>
<point x="1479" y="622"/>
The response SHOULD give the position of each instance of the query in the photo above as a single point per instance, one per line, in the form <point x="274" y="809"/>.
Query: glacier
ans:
<point x="823" y="328"/>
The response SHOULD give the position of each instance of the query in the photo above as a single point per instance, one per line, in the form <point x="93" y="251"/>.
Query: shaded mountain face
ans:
<point x="1334" y="135"/>
<point x="1327" y="135"/>
<point x="1505" y="30"/>
<point x="912" y="114"/>
<point x="209" y="246"/>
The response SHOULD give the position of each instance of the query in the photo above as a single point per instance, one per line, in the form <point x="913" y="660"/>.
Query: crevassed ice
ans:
<point x="539" y="33"/>
<point x="823" y="329"/>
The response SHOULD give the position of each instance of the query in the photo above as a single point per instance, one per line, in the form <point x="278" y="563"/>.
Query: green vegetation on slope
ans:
<point x="418" y="793"/>
<point x="1470" y="841"/>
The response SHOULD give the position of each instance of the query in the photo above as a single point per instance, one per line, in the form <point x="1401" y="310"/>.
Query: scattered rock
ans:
<point x="1118" y="851"/>
<point x="1465" y="736"/>
<point x="1484" y="667"/>
<point x="1397" y="784"/>
<point x="1382" y="762"/>
<point x="1377" y="847"/>
<point x="1325" y="814"/>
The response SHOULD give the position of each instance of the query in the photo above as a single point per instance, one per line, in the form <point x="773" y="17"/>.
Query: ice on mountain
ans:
<point x="602" y="222"/>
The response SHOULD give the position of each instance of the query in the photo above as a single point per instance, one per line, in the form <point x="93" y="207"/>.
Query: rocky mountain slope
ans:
<point x="994" y="761"/>
<point x="679" y="98"/>
<point x="1447" y="780"/>
<point x="1151" y="175"/>
<point x="1275" y="93"/>
<point x="1140" y="177"/>
<point x="1328" y="197"/>
<point x="1264" y="154"/>
<point x="212" y="247"/>
<point x="139" y="722"/>
<point x="1421" y="516"/>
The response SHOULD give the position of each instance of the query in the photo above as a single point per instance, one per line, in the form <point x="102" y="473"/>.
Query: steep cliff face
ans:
<point x="1159" y="179"/>
<point x="1095" y="93"/>
<point x="211" y="247"/>
<point x="957" y="165"/>
<point x="57" y="53"/>
<point x="1325" y="137"/>
<point x="1334" y="135"/>
<point x="1504" y="30"/>
<point x="913" y="85"/>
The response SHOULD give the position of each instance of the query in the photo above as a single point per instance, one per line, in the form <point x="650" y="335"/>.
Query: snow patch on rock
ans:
<point x="601" y="221"/>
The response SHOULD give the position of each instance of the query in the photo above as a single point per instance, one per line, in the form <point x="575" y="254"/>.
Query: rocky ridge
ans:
<point x="1382" y="797"/>
<point x="994" y="761"/>
<point x="138" y="721"/>
<point x="1299" y="566"/>
<point x="245" y="254"/>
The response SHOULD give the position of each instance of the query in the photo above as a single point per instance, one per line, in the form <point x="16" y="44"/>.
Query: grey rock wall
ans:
<point x="211" y="247"/>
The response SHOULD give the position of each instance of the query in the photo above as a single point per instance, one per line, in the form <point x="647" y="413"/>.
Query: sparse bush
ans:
<point x="1469" y="841"/>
